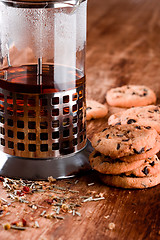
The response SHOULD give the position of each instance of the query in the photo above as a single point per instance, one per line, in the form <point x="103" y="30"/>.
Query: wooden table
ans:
<point x="123" y="47"/>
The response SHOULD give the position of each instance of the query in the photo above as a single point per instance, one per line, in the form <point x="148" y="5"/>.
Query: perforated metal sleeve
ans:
<point x="42" y="125"/>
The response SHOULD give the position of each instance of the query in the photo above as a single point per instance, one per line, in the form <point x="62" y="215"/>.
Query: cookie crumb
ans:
<point x="111" y="226"/>
<point x="51" y="179"/>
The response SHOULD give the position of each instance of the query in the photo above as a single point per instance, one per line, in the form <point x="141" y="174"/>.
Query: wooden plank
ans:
<point x="123" y="47"/>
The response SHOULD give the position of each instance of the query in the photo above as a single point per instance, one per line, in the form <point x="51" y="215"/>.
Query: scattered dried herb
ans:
<point x="36" y="224"/>
<point x="18" y="228"/>
<point x="93" y="199"/>
<point x="26" y="189"/>
<point x="7" y="226"/>
<point x="24" y="222"/>
<point x="73" y="191"/>
<point x="1" y="179"/>
<point x="111" y="226"/>
<point x="91" y="184"/>
<point x="57" y="201"/>
<point x="43" y="213"/>
<point x="51" y="179"/>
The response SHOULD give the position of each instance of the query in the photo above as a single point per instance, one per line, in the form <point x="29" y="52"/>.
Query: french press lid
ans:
<point x="39" y="3"/>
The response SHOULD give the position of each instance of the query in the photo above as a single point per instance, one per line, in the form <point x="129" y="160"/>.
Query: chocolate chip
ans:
<point x="107" y="136"/>
<point x="133" y="93"/>
<point x="152" y="163"/>
<point x="99" y="141"/>
<point x="144" y="94"/>
<point x="116" y="160"/>
<point x="1" y="211"/>
<point x="120" y="135"/>
<point x="148" y="149"/>
<point x="138" y="127"/>
<point x="148" y="127"/>
<point x="125" y="140"/>
<point x="118" y="146"/>
<point x="132" y="175"/>
<point x="122" y="175"/>
<point x="117" y="91"/>
<point x="104" y="129"/>
<point x="88" y="108"/>
<point x="138" y="152"/>
<point x="130" y="121"/>
<point x="103" y="161"/>
<point x="97" y="154"/>
<point x="145" y="171"/>
<point x="119" y="123"/>
<point x="156" y="158"/>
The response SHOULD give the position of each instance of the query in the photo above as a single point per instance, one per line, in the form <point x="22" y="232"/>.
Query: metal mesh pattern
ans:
<point x="42" y="125"/>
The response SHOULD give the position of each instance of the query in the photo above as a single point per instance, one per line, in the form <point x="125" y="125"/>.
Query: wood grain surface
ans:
<point x="123" y="47"/>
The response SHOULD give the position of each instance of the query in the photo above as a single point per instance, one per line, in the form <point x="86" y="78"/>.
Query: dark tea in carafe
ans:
<point x="53" y="78"/>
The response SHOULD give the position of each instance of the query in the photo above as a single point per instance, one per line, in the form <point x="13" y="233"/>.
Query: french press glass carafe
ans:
<point x="42" y="88"/>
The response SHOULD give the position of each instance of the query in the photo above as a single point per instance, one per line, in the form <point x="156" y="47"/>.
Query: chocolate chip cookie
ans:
<point x="130" y="96"/>
<point x="95" y="109"/>
<point x="124" y="140"/>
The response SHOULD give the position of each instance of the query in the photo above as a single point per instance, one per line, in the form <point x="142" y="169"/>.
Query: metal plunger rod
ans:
<point x="39" y="72"/>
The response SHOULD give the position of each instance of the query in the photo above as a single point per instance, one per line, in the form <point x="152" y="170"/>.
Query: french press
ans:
<point x="42" y="88"/>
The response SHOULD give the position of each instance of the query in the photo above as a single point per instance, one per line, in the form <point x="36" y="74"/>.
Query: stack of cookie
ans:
<point x="125" y="157"/>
